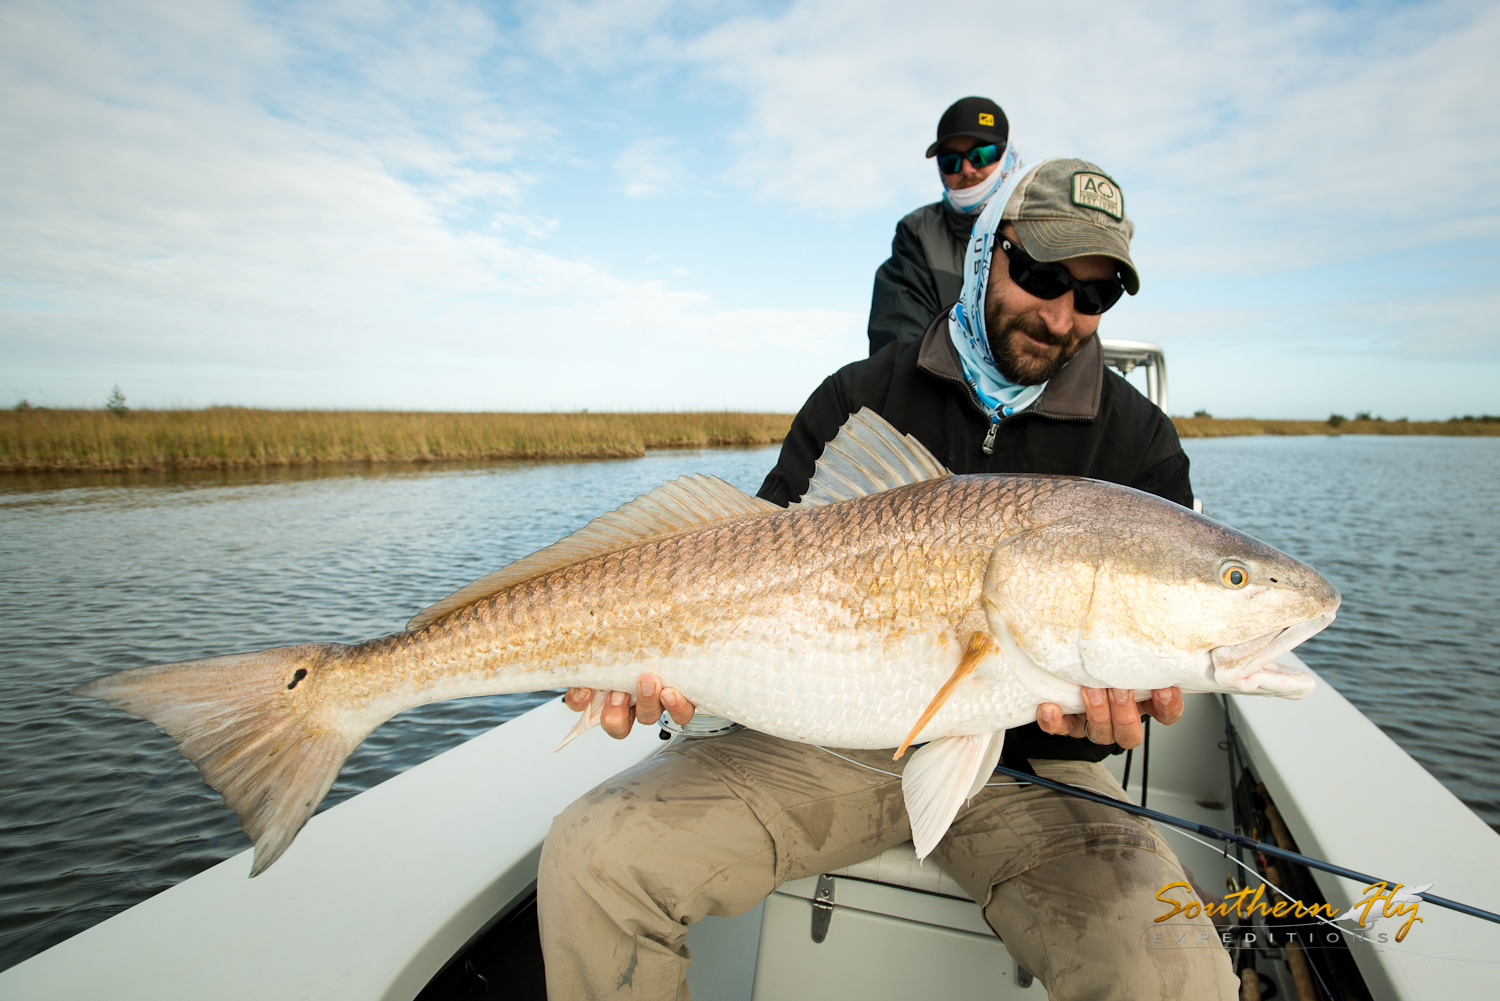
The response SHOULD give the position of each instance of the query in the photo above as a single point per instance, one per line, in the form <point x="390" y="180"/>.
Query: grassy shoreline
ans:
<point x="37" y="440"/>
<point x="1214" y="427"/>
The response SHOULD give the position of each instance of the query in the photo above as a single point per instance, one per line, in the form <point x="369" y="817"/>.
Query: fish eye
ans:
<point x="1234" y="575"/>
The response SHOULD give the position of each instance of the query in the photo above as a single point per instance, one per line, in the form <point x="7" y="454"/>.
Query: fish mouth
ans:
<point x="1251" y="667"/>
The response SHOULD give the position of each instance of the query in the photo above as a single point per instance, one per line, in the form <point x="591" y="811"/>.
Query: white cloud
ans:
<point x="1258" y="144"/>
<point x="1329" y="121"/>
<point x="249" y="231"/>
<point x="340" y="204"/>
<point x="647" y="168"/>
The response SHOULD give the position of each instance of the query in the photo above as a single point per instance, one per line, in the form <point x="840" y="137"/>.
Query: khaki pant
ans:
<point x="714" y="826"/>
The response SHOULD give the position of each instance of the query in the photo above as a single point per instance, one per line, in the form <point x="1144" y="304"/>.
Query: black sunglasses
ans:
<point x="979" y="156"/>
<point x="1046" y="280"/>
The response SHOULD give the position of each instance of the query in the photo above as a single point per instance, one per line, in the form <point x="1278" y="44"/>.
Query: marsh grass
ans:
<point x="1213" y="427"/>
<point x="42" y="440"/>
<point x="37" y="440"/>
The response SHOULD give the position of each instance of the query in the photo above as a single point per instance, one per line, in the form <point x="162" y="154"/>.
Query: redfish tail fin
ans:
<point x="251" y="724"/>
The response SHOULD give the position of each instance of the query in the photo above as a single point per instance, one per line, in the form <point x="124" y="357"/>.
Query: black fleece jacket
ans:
<point x="1088" y="422"/>
<point x="922" y="277"/>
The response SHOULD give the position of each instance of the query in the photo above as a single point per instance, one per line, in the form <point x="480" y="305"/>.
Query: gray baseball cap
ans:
<point x="1072" y="208"/>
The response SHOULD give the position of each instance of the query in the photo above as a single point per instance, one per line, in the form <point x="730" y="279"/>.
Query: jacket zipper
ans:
<point x="988" y="445"/>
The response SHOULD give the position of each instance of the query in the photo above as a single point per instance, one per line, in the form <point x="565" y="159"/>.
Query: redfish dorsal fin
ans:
<point x="868" y="456"/>
<point x="684" y="503"/>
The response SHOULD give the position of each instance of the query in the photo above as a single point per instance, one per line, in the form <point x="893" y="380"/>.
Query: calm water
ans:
<point x="1408" y="529"/>
<point x="98" y="811"/>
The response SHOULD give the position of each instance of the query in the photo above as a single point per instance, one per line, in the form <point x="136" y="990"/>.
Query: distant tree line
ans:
<point x="115" y="404"/>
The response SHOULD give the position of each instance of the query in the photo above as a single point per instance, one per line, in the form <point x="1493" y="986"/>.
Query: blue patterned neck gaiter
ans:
<point x="966" y="328"/>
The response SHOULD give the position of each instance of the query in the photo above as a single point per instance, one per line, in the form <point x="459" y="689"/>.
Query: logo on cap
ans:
<point x="985" y="118"/>
<point x="1095" y="191"/>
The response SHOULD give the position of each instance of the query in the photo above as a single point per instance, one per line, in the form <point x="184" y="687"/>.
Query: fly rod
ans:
<point x="1236" y="839"/>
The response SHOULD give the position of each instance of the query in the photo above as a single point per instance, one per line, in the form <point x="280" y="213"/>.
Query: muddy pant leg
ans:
<point x="710" y="829"/>
<point x="629" y="865"/>
<point x="1087" y="944"/>
<point x="1071" y="887"/>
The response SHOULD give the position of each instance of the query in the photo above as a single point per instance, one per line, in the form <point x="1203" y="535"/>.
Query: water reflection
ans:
<point x="54" y="482"/>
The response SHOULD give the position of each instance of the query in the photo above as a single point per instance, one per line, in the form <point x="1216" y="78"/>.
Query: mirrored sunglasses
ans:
<point x="1047" y="280"/>
<point x="979" y="156"/>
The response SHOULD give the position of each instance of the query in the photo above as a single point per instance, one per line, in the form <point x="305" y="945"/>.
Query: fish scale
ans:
<point x="863" y="583"/>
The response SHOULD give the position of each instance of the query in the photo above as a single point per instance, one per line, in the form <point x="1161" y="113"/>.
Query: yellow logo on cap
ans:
<point x="985" y="118"/>
<point x="1095" y="191"/>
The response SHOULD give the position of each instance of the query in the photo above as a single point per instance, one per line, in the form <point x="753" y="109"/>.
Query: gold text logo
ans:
<point x="1252" y="903"/>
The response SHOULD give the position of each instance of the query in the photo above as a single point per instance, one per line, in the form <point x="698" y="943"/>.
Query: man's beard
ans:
<point x="1027" y="369"/>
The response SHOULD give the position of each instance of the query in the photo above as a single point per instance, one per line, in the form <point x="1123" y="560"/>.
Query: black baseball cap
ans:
<point x="978" y="117"/>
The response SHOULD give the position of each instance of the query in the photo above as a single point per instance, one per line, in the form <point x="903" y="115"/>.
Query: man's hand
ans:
<point x="1111" y="715"/>
<point x="618" y="715"/>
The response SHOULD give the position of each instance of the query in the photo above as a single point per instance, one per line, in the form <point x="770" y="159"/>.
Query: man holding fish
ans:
<point x="1010" y="380"/>
<point x="869" y="599"/>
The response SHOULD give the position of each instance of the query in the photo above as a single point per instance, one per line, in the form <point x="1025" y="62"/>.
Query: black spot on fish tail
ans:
<point x="301" y="673"/>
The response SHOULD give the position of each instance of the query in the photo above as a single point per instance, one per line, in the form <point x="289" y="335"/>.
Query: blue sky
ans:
<point x="654" y="205"/>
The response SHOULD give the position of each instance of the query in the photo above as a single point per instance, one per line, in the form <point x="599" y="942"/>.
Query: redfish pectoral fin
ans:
<point x="980" y="646"/>
<point x="587" y="720"/>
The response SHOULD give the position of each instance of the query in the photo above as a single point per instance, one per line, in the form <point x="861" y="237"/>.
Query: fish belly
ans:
<point x="852" y="688"/>
<point x="854" y="699"/>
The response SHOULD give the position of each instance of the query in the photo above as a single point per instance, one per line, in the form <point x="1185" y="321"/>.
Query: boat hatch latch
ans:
<point x="822" y="908"/>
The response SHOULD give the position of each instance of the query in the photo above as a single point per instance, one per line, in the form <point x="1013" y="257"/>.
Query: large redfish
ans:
<point x="896" y="603"/>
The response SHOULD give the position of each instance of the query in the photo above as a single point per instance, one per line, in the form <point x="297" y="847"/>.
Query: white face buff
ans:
<point x="970" y="201"/>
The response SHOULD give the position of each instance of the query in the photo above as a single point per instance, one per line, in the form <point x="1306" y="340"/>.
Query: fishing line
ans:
<point x="1239" y="839"/>
<point x="897" y="775"/>
<point x="861" y="764"/>
<point x="1145" y="756"/>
